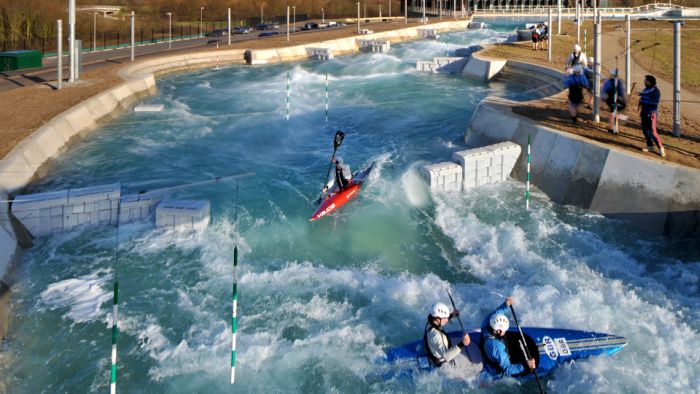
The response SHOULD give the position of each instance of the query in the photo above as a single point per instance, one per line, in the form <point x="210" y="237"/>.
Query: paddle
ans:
<point x="459" y="319"/>
<point x="337" y="140"/>
<point x="524" y="348"/>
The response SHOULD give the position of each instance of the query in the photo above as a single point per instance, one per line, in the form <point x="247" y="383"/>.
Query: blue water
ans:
<point x="318" y="302"/>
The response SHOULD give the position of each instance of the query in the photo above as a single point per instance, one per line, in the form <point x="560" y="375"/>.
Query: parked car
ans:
<point x="217" y="33"/>
<point x="267" y="26"/>
<point x="268" y="33"/>
<point x="213" y="41"/>
<point x="242" y="30"/>
<point x="310" y="25"/>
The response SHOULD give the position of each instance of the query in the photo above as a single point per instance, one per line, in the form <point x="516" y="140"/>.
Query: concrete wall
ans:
<point x="347" y="45"/>
<point x="656" y="195"/>
<point x="483" y="68"/>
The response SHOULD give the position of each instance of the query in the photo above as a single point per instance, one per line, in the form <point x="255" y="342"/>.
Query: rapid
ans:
<point x="318" y="302"/>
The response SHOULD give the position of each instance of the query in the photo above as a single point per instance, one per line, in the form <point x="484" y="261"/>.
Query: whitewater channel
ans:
<point x="319" y="302"/>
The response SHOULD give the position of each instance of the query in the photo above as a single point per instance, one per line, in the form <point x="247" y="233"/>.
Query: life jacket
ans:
<point x="342" y="177"/>
<point x="493" y="364"/>
<point x="434" y="360"/>
<point x="575" y="59"/>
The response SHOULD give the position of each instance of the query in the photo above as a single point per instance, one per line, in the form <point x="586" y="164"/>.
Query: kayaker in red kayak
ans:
<point x="342" y="178"/>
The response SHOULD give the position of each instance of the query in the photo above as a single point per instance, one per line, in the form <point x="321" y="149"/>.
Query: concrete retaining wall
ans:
<point x="659" y="196"/>
<point x="347" y="45"/>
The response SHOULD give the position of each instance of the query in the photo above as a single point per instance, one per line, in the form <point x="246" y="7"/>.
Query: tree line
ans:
<point x="23" y="21"/>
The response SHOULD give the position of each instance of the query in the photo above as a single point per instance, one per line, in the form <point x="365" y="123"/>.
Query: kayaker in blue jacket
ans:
<point x="495" y="348"/>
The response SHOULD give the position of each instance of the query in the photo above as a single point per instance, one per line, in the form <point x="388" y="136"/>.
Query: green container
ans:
<point x="18" y="60"/>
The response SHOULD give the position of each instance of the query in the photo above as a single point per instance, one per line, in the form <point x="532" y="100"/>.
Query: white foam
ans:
<point x="83" y="296"/>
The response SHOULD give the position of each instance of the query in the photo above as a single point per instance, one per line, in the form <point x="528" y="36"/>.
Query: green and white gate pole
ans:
<point x="287" y="95"/>
<point x="326" y="98"/>
<point x="527" y="182"/>
<point x="115" y="331"/>
<point x="233" y="316"/>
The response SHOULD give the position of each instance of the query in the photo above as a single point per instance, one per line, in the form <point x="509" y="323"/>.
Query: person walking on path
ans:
<point x="649" y="104"/>
<point x="575" y="82"/>
<point x="613" y="92"/>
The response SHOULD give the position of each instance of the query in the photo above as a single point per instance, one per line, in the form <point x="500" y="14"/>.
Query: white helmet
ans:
<point x="499" y="322"/>
<point x="577" y="48"/>
<point x="440" y="310"/>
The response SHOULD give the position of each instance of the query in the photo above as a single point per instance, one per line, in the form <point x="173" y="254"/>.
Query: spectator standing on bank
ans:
<point x="535" y="29"/>
<point x="578" y="57"/>
<point x="649" y="104"/>
<point x="616" y="100"/>
<point x="544" y="36"/>
<point x="575" y="81"/>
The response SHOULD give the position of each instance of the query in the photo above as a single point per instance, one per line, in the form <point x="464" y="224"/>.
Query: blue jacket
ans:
<point x="495" y="350"/>
<point x="609" y="88"/>
<point x="649" y="99"/>
<point x="576" y="81"/>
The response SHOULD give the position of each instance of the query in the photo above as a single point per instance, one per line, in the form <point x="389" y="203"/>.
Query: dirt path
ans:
<point x="553" y="112"/>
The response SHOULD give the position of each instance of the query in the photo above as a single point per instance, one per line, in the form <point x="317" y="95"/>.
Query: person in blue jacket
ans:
<point x="494" y="346"/>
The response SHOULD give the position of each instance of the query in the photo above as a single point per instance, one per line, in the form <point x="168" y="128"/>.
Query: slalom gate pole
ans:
<point x="217" y="55"/>
<point x="115" y="331"/>
<point x="326" y="98"/>
<point x="527" y="182"/>
<point x="287" y="95"/>
<point x="115" y="315"/>
<point x="234" y="321"/>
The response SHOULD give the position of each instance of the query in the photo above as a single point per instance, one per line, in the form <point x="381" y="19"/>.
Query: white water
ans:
<point x="319" y="302"/>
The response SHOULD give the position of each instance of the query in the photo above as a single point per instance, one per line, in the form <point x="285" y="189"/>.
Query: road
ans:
<point x="93" y="60"/>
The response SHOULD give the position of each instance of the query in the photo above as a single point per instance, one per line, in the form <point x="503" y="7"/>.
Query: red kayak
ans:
<point x="336" y="200"/>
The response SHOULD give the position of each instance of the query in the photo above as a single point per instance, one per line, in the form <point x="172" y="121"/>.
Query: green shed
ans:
<point x="18" y="60"/>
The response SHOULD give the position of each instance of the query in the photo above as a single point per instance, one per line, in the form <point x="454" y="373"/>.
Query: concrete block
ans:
<point x="446" y="176"/>
<point x="476" y="165"/>
<point x="34" y="202"/>
<point x="425" y="65"/>
<point x="483" y="69"/>
<point x="137" y="207"/>
<point x="431" y="34"/>
<point x="374" y="45"/>
<point x="149" y="108"/>
<point x="183" y="213"/>
<point x="449" y="64"/>
<point x="94" y="193"/>
<point x="505" y="156"/>
<point x="320" y="53"/>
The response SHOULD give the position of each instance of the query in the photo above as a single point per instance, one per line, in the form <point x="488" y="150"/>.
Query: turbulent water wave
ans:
<point x="319" y="302"/>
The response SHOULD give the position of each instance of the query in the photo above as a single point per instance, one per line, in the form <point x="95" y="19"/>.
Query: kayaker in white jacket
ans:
<point x="437" y="344"/>
<point x="342" y="177"/>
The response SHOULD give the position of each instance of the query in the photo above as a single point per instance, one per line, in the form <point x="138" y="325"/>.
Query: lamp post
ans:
<point x="358" y="17"/>
<point x="323" y="16"/>
<point x="201" y="19"/>
<point x="94" y="31"/>
<point x="294" y="18"/>
<point x="423" y="20"/>
<point x="170" y="30"/>
<point x="261" y="12"/>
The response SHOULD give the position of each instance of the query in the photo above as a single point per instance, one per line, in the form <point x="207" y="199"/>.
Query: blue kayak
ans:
<point x="550" y="347"/>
